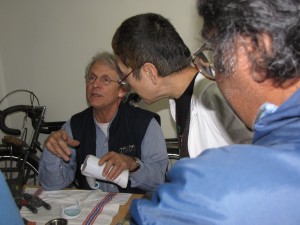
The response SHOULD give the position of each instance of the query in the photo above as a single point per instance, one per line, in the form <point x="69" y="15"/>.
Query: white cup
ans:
<point x="93" y="171"/>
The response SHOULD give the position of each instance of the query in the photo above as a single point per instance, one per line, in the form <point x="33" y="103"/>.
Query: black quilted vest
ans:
<point x="126" y="134"/>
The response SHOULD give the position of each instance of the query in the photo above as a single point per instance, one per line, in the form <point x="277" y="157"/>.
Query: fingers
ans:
<point x="115" y="164"/>
<point x="58" y="143"/>
<point x="64" y="136"/>
<point x="58" y="148"/>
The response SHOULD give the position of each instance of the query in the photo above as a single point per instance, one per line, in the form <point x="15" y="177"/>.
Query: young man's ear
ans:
<point x="151" y="72"/>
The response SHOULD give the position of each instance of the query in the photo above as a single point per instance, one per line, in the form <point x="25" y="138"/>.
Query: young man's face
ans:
<point x="143" y="87"/>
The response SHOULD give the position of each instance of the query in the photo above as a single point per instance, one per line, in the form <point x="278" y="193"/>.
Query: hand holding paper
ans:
<point x="93" y="171"/>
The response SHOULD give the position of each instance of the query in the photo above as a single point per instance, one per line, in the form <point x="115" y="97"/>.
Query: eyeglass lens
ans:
<point x="203" y="60"/>
<point x="91" y="78"/>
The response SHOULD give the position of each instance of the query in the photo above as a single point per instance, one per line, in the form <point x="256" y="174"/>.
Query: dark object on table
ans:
<point x="58" y="221"/>
<point x="29" y="206"/>
<point x="36" y="201"/>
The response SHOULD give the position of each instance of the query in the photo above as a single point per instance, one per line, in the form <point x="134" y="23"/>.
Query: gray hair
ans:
<point x="108" y="59"/>
<point x="224" y="20"/>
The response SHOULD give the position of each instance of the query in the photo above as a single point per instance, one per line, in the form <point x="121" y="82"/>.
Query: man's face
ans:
<point x="143" y="87"/>
<point x="101" y="96"/>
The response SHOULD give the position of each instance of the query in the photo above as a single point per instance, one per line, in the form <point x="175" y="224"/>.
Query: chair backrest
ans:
<point x="173" y="148"/>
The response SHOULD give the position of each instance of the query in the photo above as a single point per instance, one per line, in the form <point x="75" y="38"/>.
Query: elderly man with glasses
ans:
<point x="122" y="136"/>
<point x="159" y="65"/>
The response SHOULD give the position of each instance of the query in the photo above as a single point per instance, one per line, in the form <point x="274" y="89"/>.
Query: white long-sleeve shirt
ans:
<point x="212" y="121"/>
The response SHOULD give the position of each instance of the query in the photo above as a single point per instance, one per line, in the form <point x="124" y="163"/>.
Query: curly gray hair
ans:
<point x="280" y="19"/>
<point x="110" y="60"/>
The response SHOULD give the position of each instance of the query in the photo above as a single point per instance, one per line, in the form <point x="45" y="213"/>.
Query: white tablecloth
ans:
<point x="100" y="207"/>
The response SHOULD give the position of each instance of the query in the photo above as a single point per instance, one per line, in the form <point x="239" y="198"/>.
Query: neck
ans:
<point x="277" y="94"/>
<point x="274" y="94"/>
<point x="105" y="115"/>
<point x="175" y="84"/>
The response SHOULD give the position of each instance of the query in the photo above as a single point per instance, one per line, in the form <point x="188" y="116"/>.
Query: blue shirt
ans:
<point x="9" y="212"/>
<point x="238" y="184"/>
<point x="56" y="174"/>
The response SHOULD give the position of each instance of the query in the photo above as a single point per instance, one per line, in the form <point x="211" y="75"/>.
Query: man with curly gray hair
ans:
<point x="255" y="49"/>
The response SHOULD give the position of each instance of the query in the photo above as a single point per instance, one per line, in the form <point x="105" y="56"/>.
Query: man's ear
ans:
<point x="259" y="53"/>
<point x="122" y="93"/>
<point x="151" y="72"/>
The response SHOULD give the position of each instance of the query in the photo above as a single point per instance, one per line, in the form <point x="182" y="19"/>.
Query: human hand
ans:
<point x="58" y="143"/>
<point x="115" y="164"/>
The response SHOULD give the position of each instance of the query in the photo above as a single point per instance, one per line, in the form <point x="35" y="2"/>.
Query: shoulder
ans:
<point x="136" y="113"/>
<point x="202" y="85"/>
<point x="132" y="109"/>
<point x="235" y="162"/>
<point x="82" y="118"/>
<point x="206" y="92"/>
<point x="220" y="181"/>
<point x="82" y="113"/>
<point x="206" y="95"/>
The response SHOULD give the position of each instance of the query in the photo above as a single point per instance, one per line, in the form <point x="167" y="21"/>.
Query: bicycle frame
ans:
<point x="22" y="151"/>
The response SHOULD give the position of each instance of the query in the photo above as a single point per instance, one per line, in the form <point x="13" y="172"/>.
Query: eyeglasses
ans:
<point x="203" y="60"/>
<point x="105" y="80"/>
<point x="123" y="80"/>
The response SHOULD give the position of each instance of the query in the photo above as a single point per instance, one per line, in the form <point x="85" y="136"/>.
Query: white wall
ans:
<point x="2" y="81"/>
<point x="45" y="46"/>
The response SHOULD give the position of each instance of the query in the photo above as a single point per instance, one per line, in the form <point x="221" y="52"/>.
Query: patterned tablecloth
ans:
<point x="97" y="207"/>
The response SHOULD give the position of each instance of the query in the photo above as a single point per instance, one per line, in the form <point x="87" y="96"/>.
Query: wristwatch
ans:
<point x="137" y="161"/>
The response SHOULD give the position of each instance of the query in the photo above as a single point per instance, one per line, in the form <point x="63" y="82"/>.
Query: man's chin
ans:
<point x="95" y="104"/>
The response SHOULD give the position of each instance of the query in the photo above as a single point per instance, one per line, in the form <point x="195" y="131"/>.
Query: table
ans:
<point x="124" y="210"/>
<point x="97" y="207"/>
